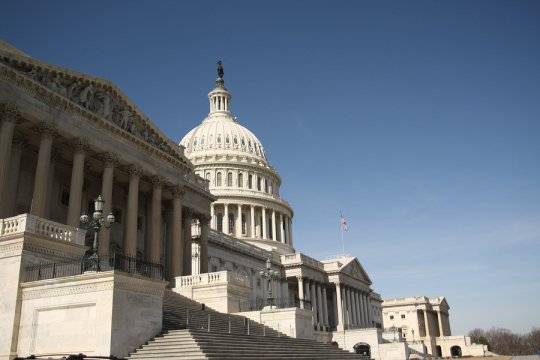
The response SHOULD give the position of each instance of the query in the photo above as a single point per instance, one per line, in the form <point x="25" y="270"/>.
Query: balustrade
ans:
<point x="32" y="224"/>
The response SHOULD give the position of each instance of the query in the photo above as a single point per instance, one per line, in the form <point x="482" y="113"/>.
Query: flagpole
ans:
<point x="342" y="242"/>
<point x="341" y="226"/>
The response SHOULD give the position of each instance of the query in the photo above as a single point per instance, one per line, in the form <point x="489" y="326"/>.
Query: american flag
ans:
<point x="344" y="225"/>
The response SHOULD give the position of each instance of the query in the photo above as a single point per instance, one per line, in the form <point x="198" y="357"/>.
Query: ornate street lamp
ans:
<point x="269" y="275"/>
<point x="96" y="224"/>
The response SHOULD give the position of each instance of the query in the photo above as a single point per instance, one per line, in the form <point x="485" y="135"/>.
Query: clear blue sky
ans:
<point x="419" y="119"/>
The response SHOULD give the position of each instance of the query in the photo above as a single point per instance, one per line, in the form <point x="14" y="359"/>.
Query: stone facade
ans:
<point x="425" y="324"/>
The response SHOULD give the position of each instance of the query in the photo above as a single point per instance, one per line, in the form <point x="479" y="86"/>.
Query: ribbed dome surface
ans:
<point x="220" y="134"/>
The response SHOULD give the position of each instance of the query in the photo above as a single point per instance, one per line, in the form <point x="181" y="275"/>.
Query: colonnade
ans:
<point x="355" y="309"/>
<point x="178" y="219"/>
<point x="351" y="306"/>
<point x="252" y="221"/>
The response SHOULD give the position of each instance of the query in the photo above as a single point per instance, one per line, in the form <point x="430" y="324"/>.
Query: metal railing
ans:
<point x="116" y="261"/>
<point x="281" y="303"/>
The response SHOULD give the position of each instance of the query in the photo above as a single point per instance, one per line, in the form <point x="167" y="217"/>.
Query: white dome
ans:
<point x="219" y="133"/>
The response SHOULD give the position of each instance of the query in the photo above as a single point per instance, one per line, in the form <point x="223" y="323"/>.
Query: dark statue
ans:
<point x="219" y="69"/>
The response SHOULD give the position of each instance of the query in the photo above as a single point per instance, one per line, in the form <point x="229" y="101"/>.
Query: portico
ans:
<point x="77" y="141"/>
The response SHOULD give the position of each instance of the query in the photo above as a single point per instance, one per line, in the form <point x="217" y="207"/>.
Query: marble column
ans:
<point x="426" y="321"/>
<point x="370" y="311"/>
<point x="281" y="230"/>
<point x="290" y="232"/>
<point x="39" y="198"/>
<point x="10" y="208"/>
<point x="366" y="317"/>
<point x="439" y="320"/>
<point x="225" y="221"/>
<point x="360" y="318"/>
<point x="264" y="223"/>
<point x="77" y="181"/>
<point x="334" y="310"/>
<point x="301" y="291"/>
<point x="314" y="306"/>
<point x="109" y="161"/>
<point x="287" y="240"/>
<point x="212" y="217"/>
<point x="274" y="231"/>
<point x="252" y="223"/>
<point x="168" y="252"/>
<point x="340" y="307"/>
<point x="239" y="221"/>
<point x="155" y="235"/>
<point x="9" y="116"/>
<point x="130" y="237"/>
<point x="187" y="216"/>
<point x="350" y="313"/>
<point x="204" y="244"/>
<point x="353" y="308"/>
<point x="319" y="305"/>
<point x="325" y="307"/>
<point x="177" y="259"/>
<point x="51" y="200"/>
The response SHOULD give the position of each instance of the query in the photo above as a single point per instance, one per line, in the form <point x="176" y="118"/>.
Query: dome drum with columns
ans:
<point x="234" y="162"/>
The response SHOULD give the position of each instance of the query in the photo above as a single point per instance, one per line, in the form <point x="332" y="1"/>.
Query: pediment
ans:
<point x="88" y="94"/>
<point x="356" y="270"/>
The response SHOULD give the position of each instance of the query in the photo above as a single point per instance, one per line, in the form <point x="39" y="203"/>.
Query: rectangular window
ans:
<point x="391" y="317"/>
<point x="403" y="316"/>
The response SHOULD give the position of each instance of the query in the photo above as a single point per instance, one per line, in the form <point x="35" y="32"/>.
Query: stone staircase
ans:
<point x="190" y="333"/>
<point x="180" y="312"/>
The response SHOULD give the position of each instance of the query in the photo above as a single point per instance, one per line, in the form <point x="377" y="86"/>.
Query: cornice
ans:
<point x="106" y="107"/>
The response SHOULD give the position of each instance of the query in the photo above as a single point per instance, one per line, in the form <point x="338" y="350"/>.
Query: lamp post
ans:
<point x="269" y="274"/>
<point x="96" y="224"/>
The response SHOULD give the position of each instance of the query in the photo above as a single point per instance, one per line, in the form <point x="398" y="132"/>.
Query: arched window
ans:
<point x="218" y="179"/>
<point x="219" y="222"/>
<point x="259" y="183"/>
<point x="240" y="180"/>
<point x="231" y="223"/>
<point x="229" y="179"/>
<point x="207" y="176"/>
<point x="265" y="185"/>
<point x="219" y="139"/>
<point x="250" y="181"/>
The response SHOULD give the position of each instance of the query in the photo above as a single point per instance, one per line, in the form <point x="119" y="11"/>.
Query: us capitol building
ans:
<point x="202" y="219"/>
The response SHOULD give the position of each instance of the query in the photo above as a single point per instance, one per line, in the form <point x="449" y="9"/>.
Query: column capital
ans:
<point x="134" y="171"/>
<point x="110" y="159"/>
<point x="298" y="277"/>
<point x="47" y="130"/>
<point x="157" y="181"/>
<point x="80" y="144"/>
<point x="178" y="191"/>
<point x="9" y="113"/>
